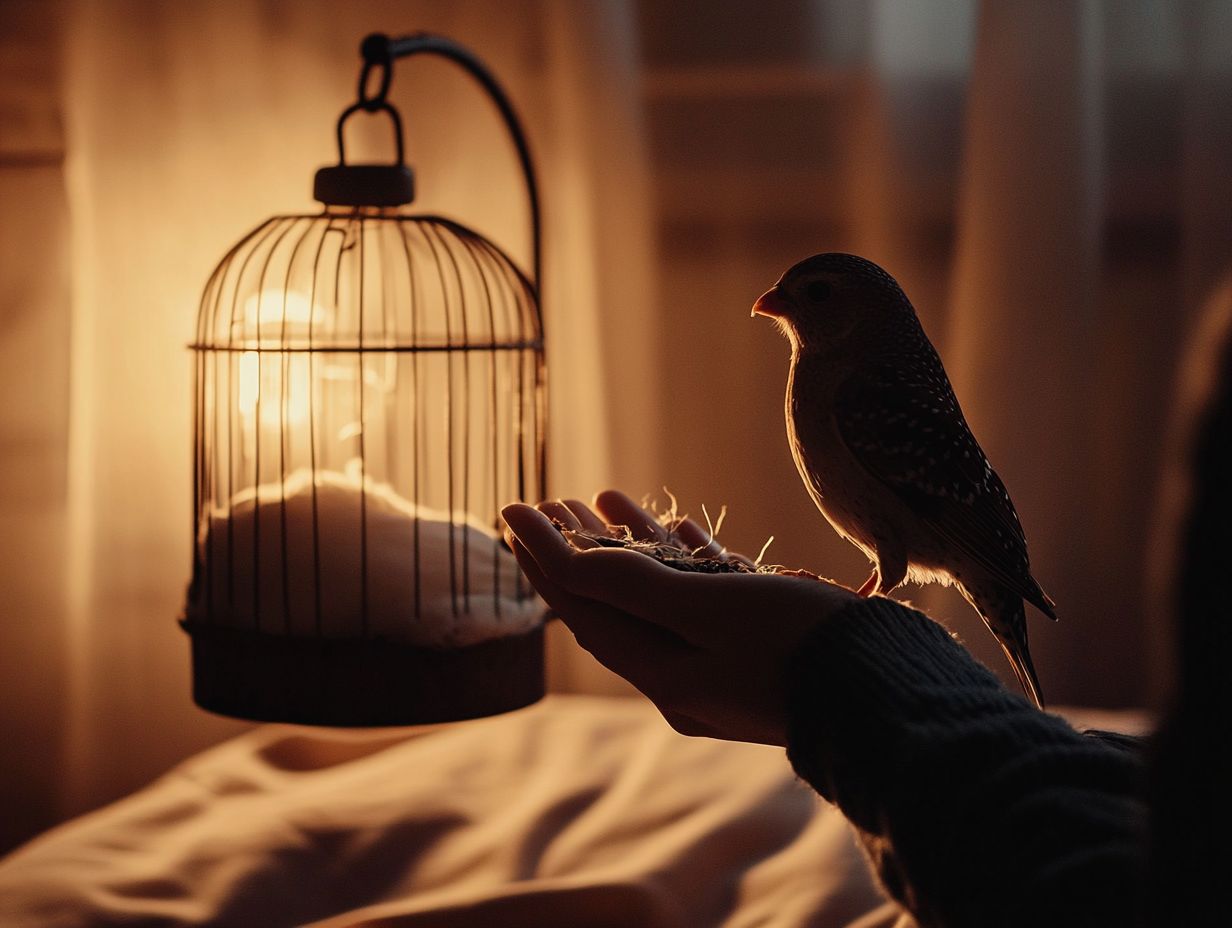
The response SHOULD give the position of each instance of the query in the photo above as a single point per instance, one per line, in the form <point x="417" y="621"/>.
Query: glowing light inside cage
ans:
<point x="271" y="307"/>
<point x="278" y="384"/>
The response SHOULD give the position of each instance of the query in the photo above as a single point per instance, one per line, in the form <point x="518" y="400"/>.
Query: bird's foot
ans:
<point x="870" y="585"/>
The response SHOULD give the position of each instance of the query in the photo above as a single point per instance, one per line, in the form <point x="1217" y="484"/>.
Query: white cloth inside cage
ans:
<point x="262" y="569"/>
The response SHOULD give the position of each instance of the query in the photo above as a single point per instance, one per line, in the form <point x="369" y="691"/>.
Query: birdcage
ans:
<point x="369" y="392"/>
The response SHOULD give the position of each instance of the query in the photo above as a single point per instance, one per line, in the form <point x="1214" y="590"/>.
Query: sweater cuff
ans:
<point x="861" y="689"/>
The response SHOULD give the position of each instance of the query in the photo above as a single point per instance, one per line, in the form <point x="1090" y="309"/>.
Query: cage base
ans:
<point x="360" y="682"/>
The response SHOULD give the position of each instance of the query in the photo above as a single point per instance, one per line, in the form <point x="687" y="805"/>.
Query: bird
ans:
<point x="885" y="452"/>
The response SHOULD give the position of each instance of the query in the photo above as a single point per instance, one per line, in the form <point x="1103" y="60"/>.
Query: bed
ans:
<point x="579" y="811"/>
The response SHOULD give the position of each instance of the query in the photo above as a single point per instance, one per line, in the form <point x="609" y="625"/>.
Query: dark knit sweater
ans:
<point x="976" y="809"/>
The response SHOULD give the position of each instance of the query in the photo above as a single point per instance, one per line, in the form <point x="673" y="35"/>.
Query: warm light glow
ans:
<point x="271" y="307"/>
<point x="281" y="384"/>
<point x="283" y="393"/>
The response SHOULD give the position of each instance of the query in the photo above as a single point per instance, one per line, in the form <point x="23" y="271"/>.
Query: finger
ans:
<point x="582" y="573"/>
<point x="638" y="585"/>
<point x="636" y="650"/>
<point x="619" y="578"/>
<point x="553" y="594"/>
<point x="582" y="541"/>
<point x="697" y="539"/>
<point x="619" y="509"/>
<point x="585" y="515"/>
<point x="557" y="511"/>
<point x="540" y="537"/>
<point x="702" y="543"/>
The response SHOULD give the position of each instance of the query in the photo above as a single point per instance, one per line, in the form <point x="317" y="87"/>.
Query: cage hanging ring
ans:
<point x="379" y="106"/>
<point x="373" y="102"/>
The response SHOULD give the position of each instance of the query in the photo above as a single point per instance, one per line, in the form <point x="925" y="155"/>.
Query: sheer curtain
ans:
<point x="1023" y="331"/>
<point x="1047" y="180"/>
<point x="1089" y="240"/>
<point x="190" y="123"/>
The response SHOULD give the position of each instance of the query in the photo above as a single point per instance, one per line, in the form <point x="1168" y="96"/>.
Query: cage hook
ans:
<point x="373" y="102"/>
<point x="380" y="50"/>
<point x="388" y="185"/>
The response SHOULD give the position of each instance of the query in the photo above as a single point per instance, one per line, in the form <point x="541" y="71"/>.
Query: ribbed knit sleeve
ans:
<point x="977" y="809"/>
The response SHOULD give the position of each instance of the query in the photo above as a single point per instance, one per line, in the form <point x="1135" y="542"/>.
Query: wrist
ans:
<point x="857" y="681"/>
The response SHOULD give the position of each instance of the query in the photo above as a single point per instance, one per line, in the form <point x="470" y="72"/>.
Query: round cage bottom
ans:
<point x="360" y="682"/>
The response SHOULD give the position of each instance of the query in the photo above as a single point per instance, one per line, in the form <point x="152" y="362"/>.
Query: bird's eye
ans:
<point x="817" y="291"/>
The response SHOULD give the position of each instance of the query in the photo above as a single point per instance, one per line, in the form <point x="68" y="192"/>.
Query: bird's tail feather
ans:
<point x="1005" y="615"/>
<point x="1042" y="601"/>
<point x="1024" y="670"/>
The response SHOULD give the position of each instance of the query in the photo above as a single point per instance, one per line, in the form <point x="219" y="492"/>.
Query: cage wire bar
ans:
<point x="369" y="391"/>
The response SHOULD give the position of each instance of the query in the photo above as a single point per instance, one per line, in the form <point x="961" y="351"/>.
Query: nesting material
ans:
<point x="674" y="553"/>
<point x="289" y="560"/>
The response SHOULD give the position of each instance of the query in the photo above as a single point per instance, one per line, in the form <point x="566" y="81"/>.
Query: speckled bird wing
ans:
<point x="903" y="424"/>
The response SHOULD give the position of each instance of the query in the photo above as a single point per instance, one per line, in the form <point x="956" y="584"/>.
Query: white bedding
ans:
<point x="577" y="812"/>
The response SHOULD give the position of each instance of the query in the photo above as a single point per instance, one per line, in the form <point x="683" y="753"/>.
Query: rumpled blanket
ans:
<point x="580" y="811"/>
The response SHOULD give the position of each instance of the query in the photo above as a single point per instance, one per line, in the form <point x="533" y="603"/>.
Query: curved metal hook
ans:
<point x="374" y="102"/>
<point x="379" y="50"/>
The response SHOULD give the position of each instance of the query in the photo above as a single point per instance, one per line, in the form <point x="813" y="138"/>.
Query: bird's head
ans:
<point x="826" y="301"/>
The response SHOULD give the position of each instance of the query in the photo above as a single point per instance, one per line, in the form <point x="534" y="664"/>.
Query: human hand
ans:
<point x="710" y="650"/>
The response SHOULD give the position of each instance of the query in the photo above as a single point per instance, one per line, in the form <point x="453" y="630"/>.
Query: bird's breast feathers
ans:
<point x="839" y="486"/>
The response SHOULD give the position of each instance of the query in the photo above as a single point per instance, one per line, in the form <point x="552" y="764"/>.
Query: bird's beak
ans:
<point x="772" y="303"/>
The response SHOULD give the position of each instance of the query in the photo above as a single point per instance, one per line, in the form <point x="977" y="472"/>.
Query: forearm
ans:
<point x="978" y="809"/>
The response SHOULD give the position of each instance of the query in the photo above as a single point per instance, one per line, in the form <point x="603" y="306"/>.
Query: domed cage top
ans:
<point x="369" y="392"/>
